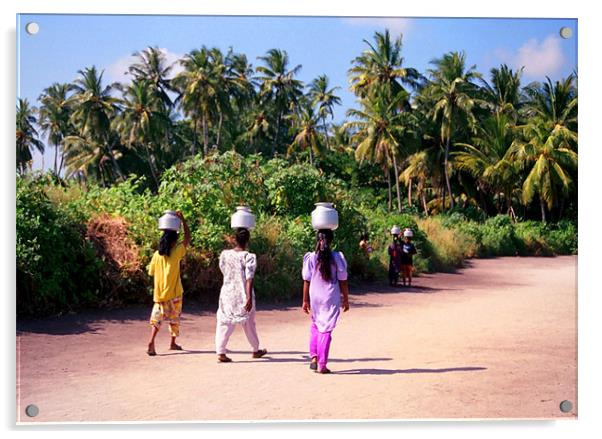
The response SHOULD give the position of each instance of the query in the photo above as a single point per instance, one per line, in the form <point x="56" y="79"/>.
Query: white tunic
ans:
<point x="237" y="267"/>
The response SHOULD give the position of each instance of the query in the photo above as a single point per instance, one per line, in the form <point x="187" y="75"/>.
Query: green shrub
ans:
<point x="57" y="270"/>
<point x="294" y="190"/>
<point x="448" y="247"/>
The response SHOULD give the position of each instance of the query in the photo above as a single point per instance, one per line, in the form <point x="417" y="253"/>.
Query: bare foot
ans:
<point x="221" y="358"/>
<point x="151" y="350"/>
<point x="175" y="347"/>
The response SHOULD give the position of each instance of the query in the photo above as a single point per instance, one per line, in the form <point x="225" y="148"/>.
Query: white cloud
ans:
<point x="395" y="25"/>
<point x="117" y="71"/>
<point x="540" y="58"/>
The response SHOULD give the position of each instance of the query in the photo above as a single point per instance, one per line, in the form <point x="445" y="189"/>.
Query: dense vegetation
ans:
<point x="476" y="167"/>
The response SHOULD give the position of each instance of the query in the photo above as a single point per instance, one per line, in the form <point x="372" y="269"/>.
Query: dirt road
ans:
<point x="496" y="339"/>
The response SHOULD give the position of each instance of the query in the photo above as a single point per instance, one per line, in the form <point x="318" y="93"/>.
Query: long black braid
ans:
<point x="325" y="259"/>
<point x="169" y="238"/>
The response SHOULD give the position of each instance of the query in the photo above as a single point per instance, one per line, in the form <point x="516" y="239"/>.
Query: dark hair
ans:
<point x="168" y="240"/>
<point x="242" y="236"/>
<point x="325" y="259"/>
<point x="364" y="236"/>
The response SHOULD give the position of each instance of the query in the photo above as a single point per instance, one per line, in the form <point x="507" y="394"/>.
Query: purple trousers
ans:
<point x="319" y="345"/>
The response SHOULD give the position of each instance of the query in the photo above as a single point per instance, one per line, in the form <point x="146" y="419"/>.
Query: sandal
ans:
<point x="324" y="371"/>
<point x="224" y="359"/>
<point x="313" y="365"/>
<point x="260" y="353"/>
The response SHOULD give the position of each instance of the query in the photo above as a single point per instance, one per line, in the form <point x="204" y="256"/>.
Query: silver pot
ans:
<point x="242" y="218"/>
<point x="324" y="216"/>
<point x="170" y="221"/>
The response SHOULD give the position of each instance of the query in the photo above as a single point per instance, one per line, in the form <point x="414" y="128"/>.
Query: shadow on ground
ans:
<point x="397" y="371"/>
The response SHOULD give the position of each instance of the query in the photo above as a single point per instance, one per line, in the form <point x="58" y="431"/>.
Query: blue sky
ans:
<point x="322" y="45"/>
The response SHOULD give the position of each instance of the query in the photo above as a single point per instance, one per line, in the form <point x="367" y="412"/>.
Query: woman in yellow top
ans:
<point x="165" y="267"/>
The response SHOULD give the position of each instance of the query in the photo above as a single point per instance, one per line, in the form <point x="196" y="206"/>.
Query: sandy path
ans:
<point x="497" y="339"/>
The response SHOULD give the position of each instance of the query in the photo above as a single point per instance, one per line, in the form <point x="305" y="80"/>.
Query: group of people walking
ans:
<point x="401" y="252"/>
<point x="324" y="273"/>
<point x="325" y="292"/>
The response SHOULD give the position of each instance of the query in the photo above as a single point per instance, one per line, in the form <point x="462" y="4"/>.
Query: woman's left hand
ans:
<point x="345" y="305"/>
<point x="249" y="305"/>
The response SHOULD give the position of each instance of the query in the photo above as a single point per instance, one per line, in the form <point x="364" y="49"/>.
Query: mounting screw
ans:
<point x="32" y="410"/>
<point x="566" y="406"/>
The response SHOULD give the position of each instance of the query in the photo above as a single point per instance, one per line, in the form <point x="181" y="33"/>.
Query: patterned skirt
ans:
<point x="167" y="311"/>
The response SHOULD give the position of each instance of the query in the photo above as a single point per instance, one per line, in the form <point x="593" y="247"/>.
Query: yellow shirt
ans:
<point x="166" y="270"/>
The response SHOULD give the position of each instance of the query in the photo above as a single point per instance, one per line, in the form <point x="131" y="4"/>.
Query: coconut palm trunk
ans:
<point x="447" y="182"/>
<point x="62" y="161"/>
<point x="275" y="143"/>
<point x="56" y="158"/>
<point x="205" y="136"/>
<point x="410" y="192"/>
<point x="326" y="133"/>
<point x="116" y="166"/>
<point x="424" y="206"/>
<point x="219" y="130"/>
<point x="543" y="209"/>
<point x="397" y="183"/>
<point x="388" y="171"/>
<point x="151" y="164"/>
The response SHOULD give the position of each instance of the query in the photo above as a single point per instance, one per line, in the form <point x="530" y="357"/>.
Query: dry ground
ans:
<point x="497" y="339"/>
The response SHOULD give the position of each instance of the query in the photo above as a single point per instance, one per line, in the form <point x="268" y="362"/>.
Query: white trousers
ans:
<point x="223" y="331"/>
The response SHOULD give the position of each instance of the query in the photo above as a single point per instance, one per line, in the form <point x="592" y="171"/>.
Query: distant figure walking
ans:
<point x="407" y="251"/>
<point x="394" y="251"/>
<point x="167" y="298"/>
<point x="237" y="297"/>
<point x="325" y="278"/>
<point x="365" y="245"/>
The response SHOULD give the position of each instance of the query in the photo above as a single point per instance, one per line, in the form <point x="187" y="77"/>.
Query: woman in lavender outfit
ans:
<point x="324" y="279"/>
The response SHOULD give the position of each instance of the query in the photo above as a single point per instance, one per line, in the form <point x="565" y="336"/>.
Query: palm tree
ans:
<point x="486" y="158"/>
<point x="27" y="135"/>
<point x="142" y="122"/>
<point x="378" y="126"/>
<point x="87" y="156"/>
<point x="341" y="139"/>
<point x="504" y="93"/>
<point x="199" y="89"/>
<point x="419" y="166"/>
<point x="152" y="66"/>
<point x="307" y="137"/>
<point x="555" y="103"/>
<point x="278" y="86"/>
<point x="454" y="94"/>
<point x="381" y="66"/>
<point x="93" y="108"/>
<point x="325" y="100"/>
<point x="55" y="113"/>
<point x="549" y="142"/>
<point x="258" y="128"/>
<point x="234" y="77"/>
<point x="547" y="154"/>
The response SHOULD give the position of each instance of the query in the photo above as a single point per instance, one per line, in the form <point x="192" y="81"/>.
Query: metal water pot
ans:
<point x="324" y="216"/>
<point x="169" y="221"/>
<point x="242" y="218"/>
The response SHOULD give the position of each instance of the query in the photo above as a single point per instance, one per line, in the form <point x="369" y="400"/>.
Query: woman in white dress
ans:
<point x="237" y="297"/>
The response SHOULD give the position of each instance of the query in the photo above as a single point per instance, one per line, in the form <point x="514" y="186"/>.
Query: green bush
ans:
<point x="57" y="270"/>
<point x="293" y="190"/>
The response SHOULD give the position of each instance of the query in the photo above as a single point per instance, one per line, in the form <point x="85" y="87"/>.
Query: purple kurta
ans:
<point x="324" y="296"/>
